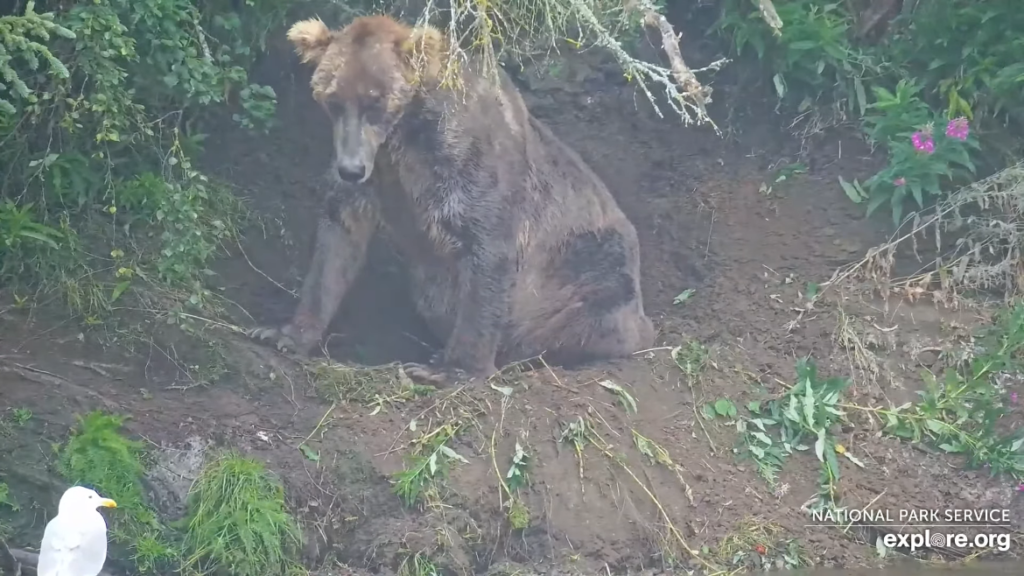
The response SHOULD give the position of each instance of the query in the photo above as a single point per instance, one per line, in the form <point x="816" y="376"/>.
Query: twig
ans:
<point x="697" y="417"/>
<point x="264" y="274"/>
<point x="43" y="377"/>
<point x="319" y="424"/>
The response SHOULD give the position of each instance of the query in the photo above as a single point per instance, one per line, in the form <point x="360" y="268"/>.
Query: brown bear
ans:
<point x="515" y="247"/>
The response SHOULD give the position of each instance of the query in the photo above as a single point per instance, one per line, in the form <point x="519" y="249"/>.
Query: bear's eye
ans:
<point x="335" y="109"/>
<point x="372" y="109"/>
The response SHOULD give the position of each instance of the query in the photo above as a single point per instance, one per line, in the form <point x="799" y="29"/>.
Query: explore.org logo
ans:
<point x="927" y="528"/>
<point x="929" y="539"/>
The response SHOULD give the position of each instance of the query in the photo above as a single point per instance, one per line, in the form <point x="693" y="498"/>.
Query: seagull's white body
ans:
<point x="75" y="541"/>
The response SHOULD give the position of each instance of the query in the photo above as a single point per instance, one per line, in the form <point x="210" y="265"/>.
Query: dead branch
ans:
<point x="687" y="80"/>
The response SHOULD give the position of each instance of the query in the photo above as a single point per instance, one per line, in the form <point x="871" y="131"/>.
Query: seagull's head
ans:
<point x="82" y="498"/>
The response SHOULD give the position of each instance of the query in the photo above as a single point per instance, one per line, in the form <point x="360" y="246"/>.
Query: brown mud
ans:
<point x="706" y="224"/>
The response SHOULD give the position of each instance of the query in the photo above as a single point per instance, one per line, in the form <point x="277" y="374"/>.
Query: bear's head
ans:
<point x="366" y="75"/>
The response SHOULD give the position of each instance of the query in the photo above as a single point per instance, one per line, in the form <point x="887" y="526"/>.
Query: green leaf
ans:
<point x="935" y="426"/>
<point x="862" y="99"/>
<point x="683" y="297"/>
<point x="724" y="407"/>
<point x="40" y="237"/>
<point x="754" y="406"/>
<point x="453" y="454"/>
<point x="832" y="410"/>
<point x="852" y="191"/>
<point x="780" y="85"/>
<point x="309" y="453"/>
<point x="762" y="437"/>
<point x="876" y="201"/>
<point x="819" y="445"/>
<point x="118" y="290"/>
<point x="832" y="461"/>
<point x="808" y="404"/>
<point x="709" y="411"/>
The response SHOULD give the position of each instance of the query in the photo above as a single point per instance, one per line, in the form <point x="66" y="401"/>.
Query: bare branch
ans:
<point x="699" y="95"/>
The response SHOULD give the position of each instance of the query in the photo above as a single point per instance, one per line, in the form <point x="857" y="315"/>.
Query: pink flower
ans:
<point x="1020" y="488"/>
<point x="923" y="142"/>
<point x="958" y="128"/>
<point x="1013" y="397"/>
<point x="901" y="181"/>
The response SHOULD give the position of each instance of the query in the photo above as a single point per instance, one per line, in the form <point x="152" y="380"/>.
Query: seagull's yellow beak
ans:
<point x="108" y="503"/>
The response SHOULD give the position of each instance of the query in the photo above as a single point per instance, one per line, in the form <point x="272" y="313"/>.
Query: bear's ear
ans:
<point x="424" y="49"/>
<point x="311" y="39"/>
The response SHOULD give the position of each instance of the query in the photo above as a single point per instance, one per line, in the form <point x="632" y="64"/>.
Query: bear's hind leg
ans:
<point x="601" y="268"/>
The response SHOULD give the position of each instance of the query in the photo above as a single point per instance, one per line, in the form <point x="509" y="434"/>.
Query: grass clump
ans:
<point x="237" y="521"/>
<point x="756" y="544"/>
<point x="377" y="387"/>
<point x="98" y="454"/>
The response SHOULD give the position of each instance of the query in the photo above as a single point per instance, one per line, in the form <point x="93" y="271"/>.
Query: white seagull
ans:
<point x="75" y="541"/>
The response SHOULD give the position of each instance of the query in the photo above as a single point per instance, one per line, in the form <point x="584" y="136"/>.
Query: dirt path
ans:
<point x="705" y="225"/>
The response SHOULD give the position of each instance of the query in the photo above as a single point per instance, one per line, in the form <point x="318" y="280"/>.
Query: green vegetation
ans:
<point x="805" y="415"/>
<point x="236" y="515"/>
<point x="428" y="464"/>
<point x="940" y="74"/>
<point x="963" y="411"/>
<point x="238" y="521"/>
<point x="960" y="411"/>
<point x="98" y="454"/>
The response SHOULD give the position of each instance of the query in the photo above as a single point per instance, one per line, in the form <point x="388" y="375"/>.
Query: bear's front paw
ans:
<point x="439" y="374"/>
<point x="280" y="338"/>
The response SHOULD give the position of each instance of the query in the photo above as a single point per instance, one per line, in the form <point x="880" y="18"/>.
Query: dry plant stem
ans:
<point x="494" y="458"/>
<point x="697" y="417"/>
<point x="319" y="424"/>
<point x="713" y="570"/>
<point x="1002" y="186"/>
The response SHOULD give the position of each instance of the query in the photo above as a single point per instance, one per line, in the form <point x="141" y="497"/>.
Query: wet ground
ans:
<point x="707" y="223"/>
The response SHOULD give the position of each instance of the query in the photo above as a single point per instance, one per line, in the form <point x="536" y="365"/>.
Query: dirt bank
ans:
<point x="707" y="223"/>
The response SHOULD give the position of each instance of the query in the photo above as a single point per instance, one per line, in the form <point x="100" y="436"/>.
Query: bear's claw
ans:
<point x="278" y="337"/>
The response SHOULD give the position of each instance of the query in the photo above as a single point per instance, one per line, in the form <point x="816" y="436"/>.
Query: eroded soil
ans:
<point x="705" y="224"/>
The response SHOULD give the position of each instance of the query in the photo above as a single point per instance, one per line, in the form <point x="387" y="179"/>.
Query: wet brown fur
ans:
<point x="514" y="245"/>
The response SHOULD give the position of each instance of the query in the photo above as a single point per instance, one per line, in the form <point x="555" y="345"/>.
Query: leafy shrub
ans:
<point x="938" y="62"/>
<point x="89" y="142"/>
<point x="811" y="58"/>
<point x="921" y="159"/>
<point x="966" y="52"/>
